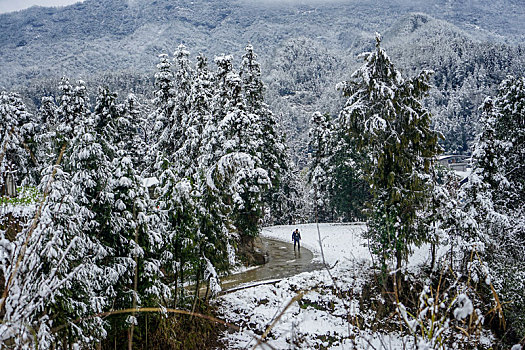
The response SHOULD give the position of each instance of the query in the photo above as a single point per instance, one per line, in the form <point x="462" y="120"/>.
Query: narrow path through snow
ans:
<point x="283" y="262"/>
<point x="339" y="242"/>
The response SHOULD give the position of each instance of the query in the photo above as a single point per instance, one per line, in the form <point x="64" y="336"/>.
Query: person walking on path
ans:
<point x="296" y="237"/>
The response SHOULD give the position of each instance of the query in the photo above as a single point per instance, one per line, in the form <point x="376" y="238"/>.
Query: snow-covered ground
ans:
<point x="314" y="310"/>
<point x="320" y="318"/>
<point x="340" y="241"/>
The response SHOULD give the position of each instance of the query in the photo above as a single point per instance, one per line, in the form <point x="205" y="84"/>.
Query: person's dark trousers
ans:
<point x="298" y="244"/>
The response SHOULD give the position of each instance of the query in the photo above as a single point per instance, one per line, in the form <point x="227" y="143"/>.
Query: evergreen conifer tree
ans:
<point x="202" y="134"/>
<point x="221" y="97"/>
<point x="319" y="176"/>
<point x="164" y="100"/>
<point x="61" y="261"/>
<point x="17" y="144"/>
<point x="272" y="149"/>
<point x="287" y="202"/>
<point x="48" y="119"/>
<point x="241" y="137"/>
<point x="385" y="116"/>
<point x="88" y="160"/>
<point x="176" y="190"/>
<point x="132" y="133"/>
<point x="199" y="123"/>
<point x="493" y="197"/>
<point x="347" y="190"/>
<point x="183" y="82"/>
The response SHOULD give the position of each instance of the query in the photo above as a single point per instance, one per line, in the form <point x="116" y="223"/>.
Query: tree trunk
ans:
<point x="207" y="291"/>
<point x="197" y="286"/>
<point x="399" y="275"/>
<point x="135" y="281"/>
<point x="433" y="261"/>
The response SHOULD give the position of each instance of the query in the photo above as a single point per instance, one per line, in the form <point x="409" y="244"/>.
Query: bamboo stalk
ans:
<point x="270" y="327"/>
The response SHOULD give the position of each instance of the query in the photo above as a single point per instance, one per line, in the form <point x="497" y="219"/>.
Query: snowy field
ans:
<point x="340" y="241"/>
<point x="319" y="318"/>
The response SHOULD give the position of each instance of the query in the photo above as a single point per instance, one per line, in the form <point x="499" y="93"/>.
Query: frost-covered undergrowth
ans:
<point x="321" y="318"/>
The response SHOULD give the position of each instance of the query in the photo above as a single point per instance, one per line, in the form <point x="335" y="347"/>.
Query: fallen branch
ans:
<point x="235" y="289"/>
<point x="268" y="330"/>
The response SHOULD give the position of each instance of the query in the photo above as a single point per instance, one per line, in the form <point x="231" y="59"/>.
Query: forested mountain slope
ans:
<point x="127" y="34"/>
<point x="305" y="48"/>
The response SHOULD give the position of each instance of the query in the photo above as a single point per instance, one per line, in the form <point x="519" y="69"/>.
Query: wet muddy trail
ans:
<point x="283" y="262"/>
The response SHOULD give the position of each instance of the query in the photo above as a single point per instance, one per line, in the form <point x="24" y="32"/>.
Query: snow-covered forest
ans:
<point x="127" y="199"/>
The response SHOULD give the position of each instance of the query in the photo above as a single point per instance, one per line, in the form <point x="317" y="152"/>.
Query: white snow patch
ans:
<point x="150" y="181"/>
<point x="340" y="241"/>
<point x="465" y="307"/>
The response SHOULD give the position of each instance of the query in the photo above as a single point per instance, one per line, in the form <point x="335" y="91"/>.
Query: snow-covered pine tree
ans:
<point x="176" y="102"/>
<point x="105" y="167"/>
<point x="106" y="113"/>
<point x="510" y="128"/>
<point x="47" y="112"/>
<point x="347" y="190"/>
<point x="240" y="165"/>
<point x="47" y="115"/>
<point x="164" y="100"/>
<point x="177" y="212"/>
<point x="212" y="133"/>
<point x="56" y="275"/>
<point x="288" y="205"/>
<point x="215" y="241"/>
<point x="385" y="116"/>
<point x="176" y="192"/>
<point x="221" y="96"/>
<point x="272" y="148"/>
<point x="493" y="197"/>
<point x="202" y="133"/>
<point x="199" y="125"/>
<point x="17" y="146"/>
<point x="88" y="160"/>
<point x="240" y="129"/>
<point x="250" y="74"/>
<point x="61" y="260"/>
<point x="183" y="82"/>
<point x="338" y="191"/>
<point x="319" y="134"/>
<point x="94" y="149"/>
<point x="136" y="240"/>
<point x="319" y="177"/>
<point x="71" y="109"/>
<point x="132" y="134"/>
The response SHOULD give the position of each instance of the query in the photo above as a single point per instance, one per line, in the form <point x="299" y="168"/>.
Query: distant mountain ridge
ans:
<point x="127" y="35"/>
